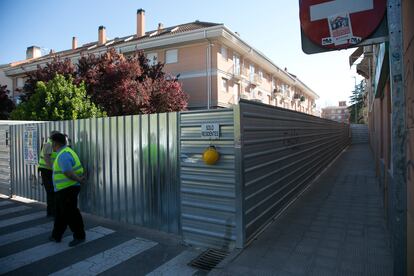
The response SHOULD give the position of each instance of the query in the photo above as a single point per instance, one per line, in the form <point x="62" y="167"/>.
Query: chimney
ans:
<point x="74" y="43"/>
<point x="140" y="22"/>
<point x="160" y="27"/>
<point x="101" y="35"/>
<point x="33" y="52"/>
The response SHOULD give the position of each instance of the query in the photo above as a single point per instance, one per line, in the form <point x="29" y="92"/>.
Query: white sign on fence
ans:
<point x="30" y="148"/>
<point x="210" y="130"/>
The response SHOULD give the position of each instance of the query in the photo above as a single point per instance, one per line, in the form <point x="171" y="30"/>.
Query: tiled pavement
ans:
<point x="336" y="228"/>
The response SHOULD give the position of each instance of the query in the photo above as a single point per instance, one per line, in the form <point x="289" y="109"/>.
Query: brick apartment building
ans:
<point x="338" y="113"/>
<point x="216" y="66"/>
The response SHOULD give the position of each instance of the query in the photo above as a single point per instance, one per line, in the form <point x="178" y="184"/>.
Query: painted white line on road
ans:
<point x="107" y="259"/>
<point x="26" y="233"/>
<point x="177" y="266"/>
<point x="23" y="199"/>
<point x="20" y="259"/>
<point x="13" y="210"/>
<point x="4" y="203"/>
<point x="16" y="220"/>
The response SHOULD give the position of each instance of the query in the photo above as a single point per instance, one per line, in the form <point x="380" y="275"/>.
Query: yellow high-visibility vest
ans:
<point x="60" y="181"/>
<point x="42" y="161"/>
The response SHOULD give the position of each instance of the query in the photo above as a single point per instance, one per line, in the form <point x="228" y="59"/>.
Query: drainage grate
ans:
<point x="209" y="259"/>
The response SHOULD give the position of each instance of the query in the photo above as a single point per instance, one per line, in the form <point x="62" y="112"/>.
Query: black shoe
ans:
<point x="53" y="239"/>
<point x="76" y="242"/>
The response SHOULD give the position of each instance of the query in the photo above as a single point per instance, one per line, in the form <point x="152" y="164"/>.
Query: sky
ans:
<point x="270" y="26"/>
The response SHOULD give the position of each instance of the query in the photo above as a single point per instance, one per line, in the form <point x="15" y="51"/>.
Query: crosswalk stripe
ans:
<point x="108" y="258"/>
<point x="20" y="219"/>
<point x="45" y="250"/>
<point x="4" y="203"/>
<point x="26" y="233"/>
<point x="13" y="210"/>
<point x="177" y="266"/>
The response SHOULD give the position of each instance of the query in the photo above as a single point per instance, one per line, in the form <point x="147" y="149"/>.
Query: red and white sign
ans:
<point x="338" y="24"/>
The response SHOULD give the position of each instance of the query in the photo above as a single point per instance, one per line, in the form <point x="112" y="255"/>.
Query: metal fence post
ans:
<point x="238" y="162"/>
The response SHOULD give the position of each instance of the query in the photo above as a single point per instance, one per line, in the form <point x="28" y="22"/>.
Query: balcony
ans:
<point x="237" y="73"/>
<point x="255" y="80"/>
<point x="244" y="96"/>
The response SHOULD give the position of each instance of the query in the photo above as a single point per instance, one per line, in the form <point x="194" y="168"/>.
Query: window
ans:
<point x="171" y="56"/>
<point x="224" y="85"/>
<point x="152" y="58"/>
<point x="261" y="74"/>
<point x="224" y="52"/>
<point x="236" y="64"/>
<point x="251" y="72"/>
<point x="20" y="82"/>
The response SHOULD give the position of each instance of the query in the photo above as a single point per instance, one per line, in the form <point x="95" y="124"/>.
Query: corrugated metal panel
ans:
<point x="282" y="152"/>
<point x="208" y="193"/>
<point x="5" y="187"/>
<point x="131" y="164"/>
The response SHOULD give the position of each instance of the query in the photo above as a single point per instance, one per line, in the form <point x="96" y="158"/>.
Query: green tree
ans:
<point x="357" y="104"/>
<point x="57" y="99"/>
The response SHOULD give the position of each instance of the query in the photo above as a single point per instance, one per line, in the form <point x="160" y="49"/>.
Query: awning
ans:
<point x="355" y="55"/>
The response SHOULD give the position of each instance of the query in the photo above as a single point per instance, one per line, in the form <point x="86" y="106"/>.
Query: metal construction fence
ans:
<point x="131" y="164"/>
<point x="208" y="193"/>
<point x="281" y="151"/>
<point x="148" y="169"/>
<point x="5" y="187"/>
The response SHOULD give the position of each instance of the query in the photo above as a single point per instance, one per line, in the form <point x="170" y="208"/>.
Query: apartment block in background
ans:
<point x="215" y="66"/>
<point x="338" y="113"/>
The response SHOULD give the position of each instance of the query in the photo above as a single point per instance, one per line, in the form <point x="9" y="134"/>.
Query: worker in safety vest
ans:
<point x="46" y="158"/>
<point x="67" y="180"/>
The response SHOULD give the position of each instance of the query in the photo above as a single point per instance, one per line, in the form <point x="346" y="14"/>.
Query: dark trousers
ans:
<point x="47" y="180"/>
<point x="68" y="214"/>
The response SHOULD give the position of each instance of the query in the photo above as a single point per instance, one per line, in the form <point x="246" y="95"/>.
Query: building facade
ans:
<point x="338" y="113"/>
<point x="215" y="66"/>
<point x="391" y="132"/>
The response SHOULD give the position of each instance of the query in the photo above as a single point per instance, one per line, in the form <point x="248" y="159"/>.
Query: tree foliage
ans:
<point x="6" y="105"/>
<point x="57" y="99"/>
<point x="357" y="100"/>
<point x="118" y="84"/>
<point x="130" y="85"/>
<point x="57" y="66"/>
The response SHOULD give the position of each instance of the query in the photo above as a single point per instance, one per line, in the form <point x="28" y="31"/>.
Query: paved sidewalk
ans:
<point x="336" y="228"/>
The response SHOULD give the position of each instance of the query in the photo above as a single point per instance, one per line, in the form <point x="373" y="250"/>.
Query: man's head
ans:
<point x="51" y="133"/>
<point x="58" y="141"/>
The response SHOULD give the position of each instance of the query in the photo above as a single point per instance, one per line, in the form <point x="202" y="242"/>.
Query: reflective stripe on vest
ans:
<point x="60" y="181"/>
<point x="42" y="161"/>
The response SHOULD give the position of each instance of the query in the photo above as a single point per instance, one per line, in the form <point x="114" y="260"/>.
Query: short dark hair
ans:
<point x="58" y="138"/>
<point x="53" y="132"/>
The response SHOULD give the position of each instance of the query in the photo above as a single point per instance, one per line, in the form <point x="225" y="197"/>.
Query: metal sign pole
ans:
<point x="398" y="202"/>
